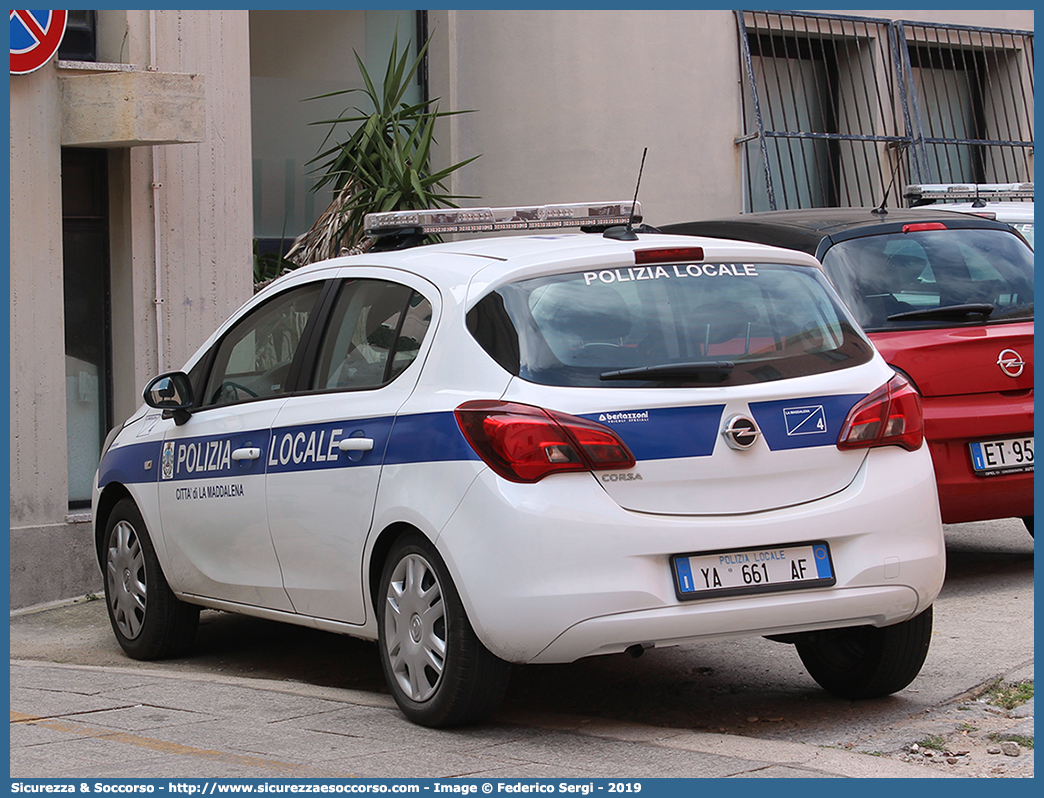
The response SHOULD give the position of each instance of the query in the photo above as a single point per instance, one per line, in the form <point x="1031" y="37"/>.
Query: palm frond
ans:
<point x="382" y="165"/>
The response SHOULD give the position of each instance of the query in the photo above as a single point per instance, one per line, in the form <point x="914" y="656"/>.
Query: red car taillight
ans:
<point x="890" y="416"/>
<point x="524" y="443"/>
<point x="918" y="227"/>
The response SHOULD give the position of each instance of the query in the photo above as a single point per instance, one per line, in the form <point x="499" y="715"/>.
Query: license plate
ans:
<point x="1011" y="456"/>
<point x="738" y="571"/>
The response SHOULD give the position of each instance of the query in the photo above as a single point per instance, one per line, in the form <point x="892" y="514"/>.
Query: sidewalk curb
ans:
<point x="762" y="754"/>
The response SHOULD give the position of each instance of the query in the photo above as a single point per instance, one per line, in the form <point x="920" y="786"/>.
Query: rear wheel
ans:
<point x="438" y="671"/>
<point x="148" y="620"/>
<point x="867" y="661"/>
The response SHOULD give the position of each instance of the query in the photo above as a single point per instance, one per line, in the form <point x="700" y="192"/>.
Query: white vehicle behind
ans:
<point x="1011" y="203"/>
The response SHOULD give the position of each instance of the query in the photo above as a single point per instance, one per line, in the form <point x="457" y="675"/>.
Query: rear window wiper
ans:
<point x="945" y="312"/>
<point x="706" y="370"/>
<point x="1018" y="312"/>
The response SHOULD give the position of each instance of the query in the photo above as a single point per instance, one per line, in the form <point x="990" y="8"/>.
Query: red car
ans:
<point x="947" y="298"/>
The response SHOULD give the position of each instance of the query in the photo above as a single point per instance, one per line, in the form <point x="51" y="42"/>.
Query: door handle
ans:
<point x="355" y="444"/>
<point x="246" y="453"/>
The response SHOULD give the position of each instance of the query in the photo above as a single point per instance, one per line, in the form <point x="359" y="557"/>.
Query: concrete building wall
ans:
<point x="37" y="453"/>
<point x="567" y="101"/>
<point x="204" y="203"/>
<point x="1007" y="18"/>
<point x="39" y="497"/>
<point x="206" y="212"/>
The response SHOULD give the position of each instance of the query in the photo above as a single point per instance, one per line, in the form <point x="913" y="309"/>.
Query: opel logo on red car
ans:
<point x="1011" y="363"/>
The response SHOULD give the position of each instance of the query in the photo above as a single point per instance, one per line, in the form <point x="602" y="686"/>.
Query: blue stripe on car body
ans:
<point x="795" y="423"/>
<point x="427" y="438"/>
<point x="133" y="463"/>
<point x="312" y="447"/>
<point x="653" y="434"/>
<point x="665" y="433"/>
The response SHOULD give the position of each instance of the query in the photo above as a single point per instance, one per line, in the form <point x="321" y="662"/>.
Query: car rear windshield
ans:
<point x="675" y="325"/>
<point x="934" y="278"/>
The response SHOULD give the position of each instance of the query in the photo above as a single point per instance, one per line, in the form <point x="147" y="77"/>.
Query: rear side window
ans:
<point x="375" y="332"/>
<point x="675" y="325"/>
<point x="933" y="278"/>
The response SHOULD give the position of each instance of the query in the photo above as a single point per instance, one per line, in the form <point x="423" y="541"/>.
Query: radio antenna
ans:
<point x="638" y="183"/>
<point x="881" y="210"/>
<point x="626" y="233"/>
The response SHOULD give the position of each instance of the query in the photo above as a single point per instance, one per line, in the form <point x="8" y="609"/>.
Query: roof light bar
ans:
<point x="969" y="191"/>
<point x="485" y="220"/>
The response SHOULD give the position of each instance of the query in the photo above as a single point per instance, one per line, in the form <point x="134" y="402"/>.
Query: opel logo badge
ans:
<point x="1011" y="363"/>
<point x="740" y="432"/>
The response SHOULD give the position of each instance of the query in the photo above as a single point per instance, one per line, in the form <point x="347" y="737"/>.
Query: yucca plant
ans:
<point x="268" y="265"/>
<point x="382" y="166"/>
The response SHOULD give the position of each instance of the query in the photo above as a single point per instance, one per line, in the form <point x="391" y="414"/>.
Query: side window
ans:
<point x="375" y="332"/>
<point x="253" y="359"/>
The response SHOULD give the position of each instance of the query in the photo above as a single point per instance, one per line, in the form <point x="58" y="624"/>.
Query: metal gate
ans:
<point x="840" y="110"/>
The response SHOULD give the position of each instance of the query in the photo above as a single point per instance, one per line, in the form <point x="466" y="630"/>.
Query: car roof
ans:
<point x="568" y="245"/>
<point x="492" y="261"/>
<point x="811" y="230"/>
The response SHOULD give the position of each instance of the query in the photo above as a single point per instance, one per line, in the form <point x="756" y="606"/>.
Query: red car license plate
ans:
<point x="990" y="458"/>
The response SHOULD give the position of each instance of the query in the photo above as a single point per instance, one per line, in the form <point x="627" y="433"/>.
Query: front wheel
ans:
<point x="148" y="620"/>
<point x="438" y="671"/>
<point x="867" y="661"/>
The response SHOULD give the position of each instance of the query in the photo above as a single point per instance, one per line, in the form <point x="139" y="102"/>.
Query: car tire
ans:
<point x="148" y="620"/>
<point x="1028" y="521"/>
<point x="438" y="671"/>
<point x="867" y="661"/>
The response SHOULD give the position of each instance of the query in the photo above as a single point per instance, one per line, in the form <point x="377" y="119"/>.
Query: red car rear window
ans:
<point x="933" y="278"/>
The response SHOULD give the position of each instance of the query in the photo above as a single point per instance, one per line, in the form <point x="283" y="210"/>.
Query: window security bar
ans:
<point x="835" y="106"/>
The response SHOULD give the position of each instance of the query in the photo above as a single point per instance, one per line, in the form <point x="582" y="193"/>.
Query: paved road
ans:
<point x="146" y="722"/>
<point x="737" y="708"/>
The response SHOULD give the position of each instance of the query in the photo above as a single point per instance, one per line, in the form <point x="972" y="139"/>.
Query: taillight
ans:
<point x="890" y="416"/>
<point x="668" y="255"/>
<point x="917" y="227"/>
<point x="524" y="443"/>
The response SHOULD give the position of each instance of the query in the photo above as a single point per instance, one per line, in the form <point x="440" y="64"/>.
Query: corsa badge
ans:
<point x="1011" y="363"/>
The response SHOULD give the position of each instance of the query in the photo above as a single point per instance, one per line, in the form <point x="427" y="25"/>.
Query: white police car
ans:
<point x="1011" y="203"/>
<point x="531" y="449"/>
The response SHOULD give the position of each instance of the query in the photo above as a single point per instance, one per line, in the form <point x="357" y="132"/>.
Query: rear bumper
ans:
<point x="953" y="422"/>
<point x="557" y="571"/>
<point x="724" y="619"/>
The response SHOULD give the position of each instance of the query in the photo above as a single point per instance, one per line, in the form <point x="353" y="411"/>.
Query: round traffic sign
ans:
<point x="35" y="38"/>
